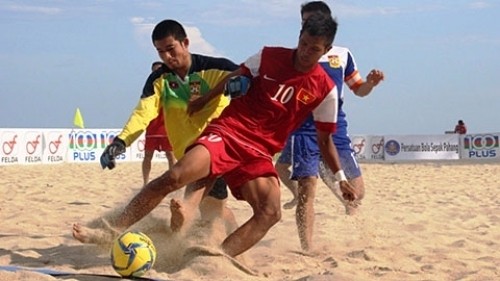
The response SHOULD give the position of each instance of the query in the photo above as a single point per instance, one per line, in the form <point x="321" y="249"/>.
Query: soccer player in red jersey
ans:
<point x="286" y="86"/>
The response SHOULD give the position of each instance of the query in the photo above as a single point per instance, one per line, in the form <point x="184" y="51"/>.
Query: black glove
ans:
<point x="114" y="149"/>
<point x="237" y="86"/>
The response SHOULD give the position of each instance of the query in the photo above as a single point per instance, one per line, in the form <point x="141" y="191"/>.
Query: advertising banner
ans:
<point x="137" y="151"/>
<point x="480" y="146"/>
<point x="368" y="148"/>
<point x="21" y="146"/>
<point x="55" y="146"/>
<point x="87" y="145"/>
<point x="421" y="147"/>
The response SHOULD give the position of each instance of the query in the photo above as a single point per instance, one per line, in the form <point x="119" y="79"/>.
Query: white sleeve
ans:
<point x="326" y="111"/>
<point x="253" y="63"/>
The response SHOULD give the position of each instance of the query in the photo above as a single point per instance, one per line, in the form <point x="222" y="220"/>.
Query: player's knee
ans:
<point x="268" y="215"/>
<point x="168" y="182"/>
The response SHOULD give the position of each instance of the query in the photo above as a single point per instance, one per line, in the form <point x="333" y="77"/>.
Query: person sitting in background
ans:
<point x="460" y="128"/>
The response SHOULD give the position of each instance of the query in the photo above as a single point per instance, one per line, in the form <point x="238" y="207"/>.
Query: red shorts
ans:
<point x="234" y="162"/>
<point x="157" y="143"/>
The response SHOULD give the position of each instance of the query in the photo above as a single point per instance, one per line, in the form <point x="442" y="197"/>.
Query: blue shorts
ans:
<point x="286" y="153"/>
<point x="302" y="152"/>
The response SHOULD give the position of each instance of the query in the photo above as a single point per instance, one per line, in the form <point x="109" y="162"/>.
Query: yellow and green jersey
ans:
<point x="167" y="92"/>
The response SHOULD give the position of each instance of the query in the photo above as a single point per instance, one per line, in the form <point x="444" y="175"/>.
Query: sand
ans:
<point x="419" y="221"/>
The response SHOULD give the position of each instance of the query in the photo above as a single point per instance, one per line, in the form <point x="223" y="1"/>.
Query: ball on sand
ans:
<point x="133" y="254"/>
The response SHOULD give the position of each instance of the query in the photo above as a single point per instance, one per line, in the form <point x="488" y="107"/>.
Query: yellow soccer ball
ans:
<point x="133" y="254"/>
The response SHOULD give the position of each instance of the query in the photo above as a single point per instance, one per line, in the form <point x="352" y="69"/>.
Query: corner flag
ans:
<point x="78" y="120"/>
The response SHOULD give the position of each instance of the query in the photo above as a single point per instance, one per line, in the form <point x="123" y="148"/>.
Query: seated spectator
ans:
<point x="460" y="128"/>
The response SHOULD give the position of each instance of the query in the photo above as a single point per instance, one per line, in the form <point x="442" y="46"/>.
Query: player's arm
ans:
<point x="372" y="80"/>
<point x="325" y="118"/>
<point x="199" y="103"/>
<point x="331" y="158"/>
<point x="249" y="69"/>
<point x="146" y="110"/>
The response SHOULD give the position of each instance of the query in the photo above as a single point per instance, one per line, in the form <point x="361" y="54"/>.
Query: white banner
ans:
<point x="52" y="146"/>
<point x="368" y="148"/>
<point x="87" y="145"/>
<point x="21" y="146"/>
<point x="55" y="145"/>
<point x="422" y="147"/>
<point x="137" y="151"/>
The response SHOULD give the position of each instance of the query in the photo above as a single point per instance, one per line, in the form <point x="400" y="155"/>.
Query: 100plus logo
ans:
<point x="83" y="144"/>
<point x="481" y="146"/>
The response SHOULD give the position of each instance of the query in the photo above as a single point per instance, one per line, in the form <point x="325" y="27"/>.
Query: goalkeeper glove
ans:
<point x="237" y="86"/>
<point x="114" y="149"/>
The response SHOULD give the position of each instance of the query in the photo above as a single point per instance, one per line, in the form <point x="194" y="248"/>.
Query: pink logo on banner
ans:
<point x="31" y="145"/>
<point x="54" y="144"/>
<point x="9" y="145"/>
<point x="376" y="147"/>
<point x="358" y="147"/>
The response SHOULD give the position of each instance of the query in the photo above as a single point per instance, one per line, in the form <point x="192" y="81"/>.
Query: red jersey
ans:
<point x="279" y="100"/>
<point x="460" y="129"/>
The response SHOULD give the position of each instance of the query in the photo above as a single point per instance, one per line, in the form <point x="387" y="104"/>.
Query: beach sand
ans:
<point x="419" y="221"/>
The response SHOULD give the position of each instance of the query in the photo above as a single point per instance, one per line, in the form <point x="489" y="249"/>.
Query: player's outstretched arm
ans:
<point x="197" y="104"/>
<point x="372" y="80"/>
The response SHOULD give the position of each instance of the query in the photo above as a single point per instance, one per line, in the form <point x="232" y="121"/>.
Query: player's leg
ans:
<point x="251" y="176"/>
<point x="146" y="165"/>
<point x="193" y="166"/>
<point x="263" y="194"/>
<point x="306" y="156"/>
<point x="305" y="211"/>
<point x="283" y="168"/>
<point x="211" y="205"/>
<point x="167" y="147"/>
<point x="170" y="158"/>
<point x="214" y="206"/>
<point x="183" y="211"/>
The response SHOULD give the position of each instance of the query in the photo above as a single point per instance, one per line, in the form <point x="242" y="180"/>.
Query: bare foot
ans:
<point x="93" y="236"/>
<point x="291" y="204"/>
<point x="178" y="216"/>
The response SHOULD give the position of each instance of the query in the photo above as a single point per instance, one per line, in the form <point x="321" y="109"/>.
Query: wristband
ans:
<point x="340" y="176"/>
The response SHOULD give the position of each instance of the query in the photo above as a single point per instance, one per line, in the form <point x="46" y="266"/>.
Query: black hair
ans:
<point x="320" y="25"/>
<point x="315" y="7"/>
<point x="156" y="63"/>
<point x="169" y="28"/>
